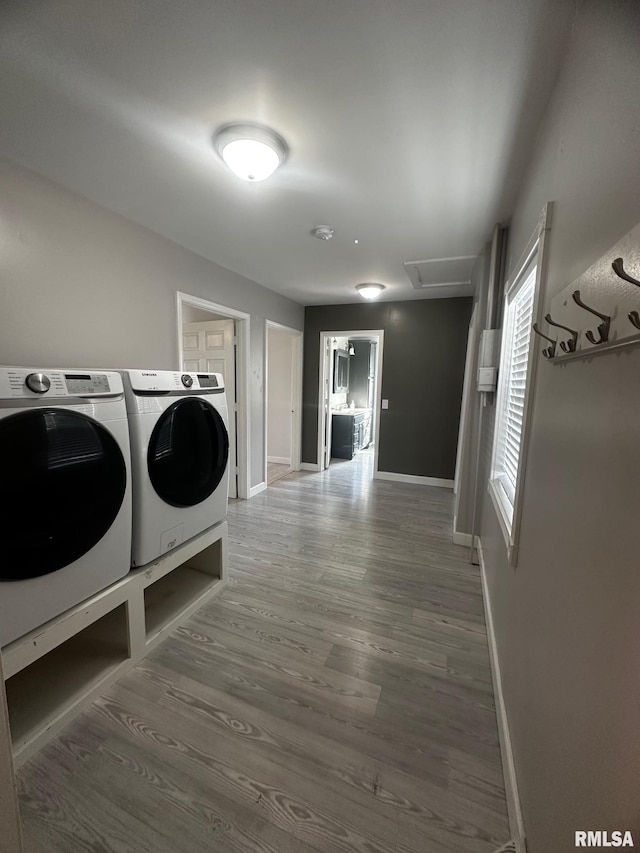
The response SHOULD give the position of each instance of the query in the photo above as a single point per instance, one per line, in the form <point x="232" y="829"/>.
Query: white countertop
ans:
<point x="350" y="411"/>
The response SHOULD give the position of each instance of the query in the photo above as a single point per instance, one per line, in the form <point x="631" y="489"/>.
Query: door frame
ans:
<point x="326" y="371"/>
<point x="296" y="391"/>
<point x="243" y="331"/>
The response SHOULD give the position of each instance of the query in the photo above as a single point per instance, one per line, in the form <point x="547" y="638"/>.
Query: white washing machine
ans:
<point x="65" y="490"/>
<point x="178" y="426"/>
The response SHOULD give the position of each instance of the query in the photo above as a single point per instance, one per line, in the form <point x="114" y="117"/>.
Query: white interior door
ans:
<point x="209" y="347"/>
<point x="327" y="391"/>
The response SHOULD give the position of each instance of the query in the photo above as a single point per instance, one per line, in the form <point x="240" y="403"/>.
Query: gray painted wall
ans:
<point x="422" y="372"/>
<point x="568" y="617"/>
<point x="81" y="286"/>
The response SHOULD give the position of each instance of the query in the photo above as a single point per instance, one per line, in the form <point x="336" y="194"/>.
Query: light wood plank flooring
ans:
<point x="335" y="697"/>
<point x="276" y="471"/>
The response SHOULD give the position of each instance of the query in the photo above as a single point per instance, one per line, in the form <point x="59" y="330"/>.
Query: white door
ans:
<point x="209" y="347"/>
<point x="328" y="390"/>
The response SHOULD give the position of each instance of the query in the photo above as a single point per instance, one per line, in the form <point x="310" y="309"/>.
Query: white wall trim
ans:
<point x="413" y="478"/>
<point x="309" y="466"/>
<point x="255" y="490"/>
<point x="279" y="460"/>
<point x="514" y="811"/>
<point x="464" y="539"/>
<point x="243" y="374"/>
<point x="325" y="375"/>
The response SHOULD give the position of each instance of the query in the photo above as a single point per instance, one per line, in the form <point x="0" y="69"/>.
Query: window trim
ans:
<point x="511" y="526"/>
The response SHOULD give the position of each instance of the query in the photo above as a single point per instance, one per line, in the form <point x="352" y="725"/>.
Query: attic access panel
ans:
<point x="442" y="276"/>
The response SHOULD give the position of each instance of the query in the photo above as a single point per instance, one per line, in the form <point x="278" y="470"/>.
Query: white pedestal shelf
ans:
<point x="55" y="671"/>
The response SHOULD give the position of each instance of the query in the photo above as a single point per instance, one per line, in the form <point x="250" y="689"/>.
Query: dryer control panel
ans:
<point x="164" y="381"/>
<point x="28" y="383"/>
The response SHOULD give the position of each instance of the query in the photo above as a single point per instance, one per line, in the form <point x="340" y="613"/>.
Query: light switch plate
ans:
<point x="385" y="404"/>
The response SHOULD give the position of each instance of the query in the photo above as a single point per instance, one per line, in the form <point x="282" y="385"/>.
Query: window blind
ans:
<point x="511" y="416"/>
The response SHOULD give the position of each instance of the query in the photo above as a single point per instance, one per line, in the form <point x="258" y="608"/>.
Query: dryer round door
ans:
<point x="63" y="480"/>
<point x="188" y="452"/>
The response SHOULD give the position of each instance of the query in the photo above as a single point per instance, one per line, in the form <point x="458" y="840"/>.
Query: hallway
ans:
<point x="335" y="697"/>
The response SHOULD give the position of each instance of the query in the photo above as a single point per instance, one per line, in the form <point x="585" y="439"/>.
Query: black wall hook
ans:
<point x="603" y="328"/>
<point x="567" y="346"/>
<point x="618" y="268"/>
<point x="547" y="352"/>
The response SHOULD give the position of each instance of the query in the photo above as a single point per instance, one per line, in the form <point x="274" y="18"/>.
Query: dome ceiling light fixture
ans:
<point x="370" y="290"/>
<point x="252" y="151"/>
<point x="323" y="232"/>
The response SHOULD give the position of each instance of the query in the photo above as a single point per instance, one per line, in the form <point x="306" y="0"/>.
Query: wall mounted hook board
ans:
<point x="609" y="290"/>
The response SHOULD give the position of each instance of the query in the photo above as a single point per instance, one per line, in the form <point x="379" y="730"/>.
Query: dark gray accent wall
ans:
<point x="423" y="367"/>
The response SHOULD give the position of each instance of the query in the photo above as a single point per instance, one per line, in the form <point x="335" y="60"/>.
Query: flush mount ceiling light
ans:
<point x="323" y="232"/>
<point x="251" y="151"/>
<point x="370" y="290"/>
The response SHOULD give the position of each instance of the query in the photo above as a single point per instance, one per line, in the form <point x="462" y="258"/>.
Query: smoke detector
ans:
<point x="323" y="232"/>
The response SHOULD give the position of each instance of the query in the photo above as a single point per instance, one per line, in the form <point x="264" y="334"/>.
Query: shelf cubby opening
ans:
<point x="46" y="689"/>
<point x="168" y="597"/>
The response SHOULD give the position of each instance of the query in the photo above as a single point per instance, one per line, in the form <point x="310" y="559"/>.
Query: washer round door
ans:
<point x="63" y="479"/>
<point x="188" y="452"/>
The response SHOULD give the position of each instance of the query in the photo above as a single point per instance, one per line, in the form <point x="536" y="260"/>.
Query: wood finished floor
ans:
<point x="276" y="471"/>
<point x="335" y="697"/>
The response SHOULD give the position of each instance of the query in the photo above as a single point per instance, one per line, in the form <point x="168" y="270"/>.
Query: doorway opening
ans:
<point x="283" y="401"/>
<point x="215" y="339"/>
<point x="349" y="395"/>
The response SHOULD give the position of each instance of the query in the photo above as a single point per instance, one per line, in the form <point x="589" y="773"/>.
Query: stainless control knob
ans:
<point x="187" y="380"/>
<point x="39" y="383"/>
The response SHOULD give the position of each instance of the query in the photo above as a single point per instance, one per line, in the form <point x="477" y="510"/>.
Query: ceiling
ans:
<point x="408" y="123"/>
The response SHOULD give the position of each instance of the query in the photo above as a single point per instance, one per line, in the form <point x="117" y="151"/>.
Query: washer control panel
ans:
<point x="164" y="381"/>
<point x="29" y="383"/>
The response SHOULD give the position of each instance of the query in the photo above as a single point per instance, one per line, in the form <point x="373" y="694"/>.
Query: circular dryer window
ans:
<point x="188" y="452"/>
<point x="63" y="483"/>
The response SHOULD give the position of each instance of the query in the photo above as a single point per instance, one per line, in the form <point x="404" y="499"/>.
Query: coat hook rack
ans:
<point x="603" y="328"/>
<point x="547" y="352"/>
<point x="566" y="346"/>
<point x="619" y="270"/>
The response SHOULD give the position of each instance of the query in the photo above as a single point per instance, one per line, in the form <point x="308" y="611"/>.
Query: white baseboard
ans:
<point x="516" y="825"/>
<point x="279" y="460"/>
<point x="309" y="466"/>
<point x="464" y="539"/>
<point x="413" y="478"/>
<point x="255" y="490"/>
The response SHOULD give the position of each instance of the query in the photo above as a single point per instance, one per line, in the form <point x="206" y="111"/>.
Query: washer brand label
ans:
<point x="149" y="374"/>
<point x="604" y="839"/>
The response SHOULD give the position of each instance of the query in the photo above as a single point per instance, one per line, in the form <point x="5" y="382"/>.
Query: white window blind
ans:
<point x="519" y="317"/>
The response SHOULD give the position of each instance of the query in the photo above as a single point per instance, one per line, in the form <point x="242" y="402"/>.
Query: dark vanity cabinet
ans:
<point x="350" y="433"/>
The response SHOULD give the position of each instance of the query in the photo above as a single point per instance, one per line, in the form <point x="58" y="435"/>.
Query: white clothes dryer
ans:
<point x="178" y="426"/>
<point x="65" y="490"/>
